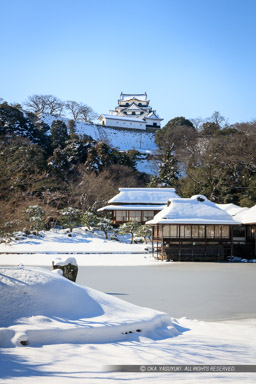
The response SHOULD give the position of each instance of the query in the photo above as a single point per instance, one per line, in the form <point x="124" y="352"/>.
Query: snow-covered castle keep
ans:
<point x="133" y="112"/>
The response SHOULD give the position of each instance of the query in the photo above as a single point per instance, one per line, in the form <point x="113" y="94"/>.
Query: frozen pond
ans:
<point x="204" y="291"/>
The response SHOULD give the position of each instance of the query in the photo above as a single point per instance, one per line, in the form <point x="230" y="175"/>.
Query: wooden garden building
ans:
<point x="248" y="221"/>
<point x="140" y="204"/>
<point x="193" y="229"/>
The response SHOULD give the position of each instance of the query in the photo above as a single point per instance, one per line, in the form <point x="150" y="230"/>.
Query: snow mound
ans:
<point x="40" y="307"/>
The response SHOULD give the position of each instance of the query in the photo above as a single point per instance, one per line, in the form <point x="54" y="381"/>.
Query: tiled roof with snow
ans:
<point x="144" y="196"/>
<point x="153" y="115"/>
<point x="195" y="210"/>
<point x="136" y="207"/>
<point x="248" y="216"/>
<point x="132" y="107"/>
<point x="232" y="209"/>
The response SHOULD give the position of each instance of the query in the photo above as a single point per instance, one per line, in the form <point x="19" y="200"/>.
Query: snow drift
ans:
<point x="40" y="307"/>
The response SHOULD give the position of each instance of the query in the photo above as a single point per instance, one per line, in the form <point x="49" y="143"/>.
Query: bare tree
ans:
<point x="74" y="108"/>
<point x="90" y="191"/>
<point x="217" y="118"/>
<point x="249" y="129"/>
<point x="88" y="114"/>
<point x="54" y="199"/>
<point x="55" y="106"/>
<point x="39" y="104"/>
<point x="35" y="104"/>
<point x="197" y="122"/>
<point x="80" y="111"/>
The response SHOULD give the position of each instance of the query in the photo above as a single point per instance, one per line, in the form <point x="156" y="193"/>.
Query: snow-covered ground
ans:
<point x="147" y="166"/>
<point x="89" y="249"/>
<point x="75" y="333"/>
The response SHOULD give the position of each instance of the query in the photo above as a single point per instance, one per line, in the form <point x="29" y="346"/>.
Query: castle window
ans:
<point x="133" y="113"/>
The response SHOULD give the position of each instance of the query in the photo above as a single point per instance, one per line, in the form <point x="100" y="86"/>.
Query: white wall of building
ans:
<point x="151" y="122"/>
<point x="108" y="122"/>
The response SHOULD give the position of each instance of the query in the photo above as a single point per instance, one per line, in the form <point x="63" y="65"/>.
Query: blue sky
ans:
<point x="193" y="57"/>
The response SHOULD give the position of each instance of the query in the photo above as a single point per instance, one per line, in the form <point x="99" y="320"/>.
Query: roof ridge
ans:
<point x="133" y="94"/>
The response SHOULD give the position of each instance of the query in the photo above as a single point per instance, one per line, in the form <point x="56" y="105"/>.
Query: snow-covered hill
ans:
<point x="122" y="139"/>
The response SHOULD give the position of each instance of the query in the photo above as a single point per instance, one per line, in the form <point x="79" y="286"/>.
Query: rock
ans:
<point x="68" y="267"/>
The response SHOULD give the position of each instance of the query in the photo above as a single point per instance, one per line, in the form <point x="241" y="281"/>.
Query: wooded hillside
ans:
<point x="54" y="167"/>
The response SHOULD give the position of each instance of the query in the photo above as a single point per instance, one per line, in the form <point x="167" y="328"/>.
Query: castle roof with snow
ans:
<point x="133" y="112"/>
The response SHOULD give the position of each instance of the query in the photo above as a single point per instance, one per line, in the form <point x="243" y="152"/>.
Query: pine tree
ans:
<point x="72" y="129"/>
<point x="168" y="169"/>
<point x="105" y="225"/>
<point x="144" y="231"/>
<point x="92" y="162"/>
<point x="168" y="173"/>
<point x="90" y="220"/>
<point x="35" y="216"/>
<point x="131" y="227"/>
<point x="70" y="217"/>
<point x="14" y="123"/>
<point x="59" y="134"/>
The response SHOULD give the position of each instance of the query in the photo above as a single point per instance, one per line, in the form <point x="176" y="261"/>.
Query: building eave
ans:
<point x="192" y="222"/>
<point x="130" y="207"/>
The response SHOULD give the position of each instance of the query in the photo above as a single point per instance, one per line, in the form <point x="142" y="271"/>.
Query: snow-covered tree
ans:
<point x="131" y="228"/>
<point x="94" y="222"/>
<point x="168" y="173"/>
<point x="69" y="217"/>
<point x="105" y="225"/>
<point x="168" y="169"/>
<point x="144" y="231"/>
<point x="35" y="216"/>
<point x="90" y="220"/>
<point x="15" y="123"/>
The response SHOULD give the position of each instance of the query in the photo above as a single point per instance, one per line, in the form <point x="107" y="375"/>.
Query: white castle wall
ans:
<point x="124" y="124"/>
